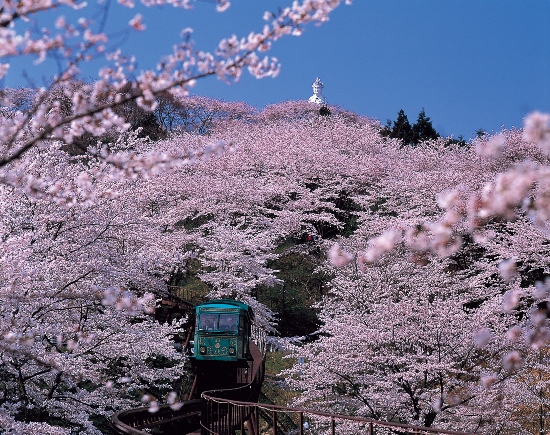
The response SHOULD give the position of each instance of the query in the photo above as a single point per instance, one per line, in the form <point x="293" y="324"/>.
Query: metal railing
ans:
<point x="219" y="415"/>
<point x="222" y="416"/>
<point x="259" y="336"/>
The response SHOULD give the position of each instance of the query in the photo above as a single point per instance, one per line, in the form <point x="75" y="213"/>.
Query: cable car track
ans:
<point x="241" y="382"/>
<point x="229" y="394"/>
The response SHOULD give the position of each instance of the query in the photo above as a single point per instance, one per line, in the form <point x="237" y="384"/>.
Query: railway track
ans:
<point x="229" y="403"/>
<point x="239" y="382"/>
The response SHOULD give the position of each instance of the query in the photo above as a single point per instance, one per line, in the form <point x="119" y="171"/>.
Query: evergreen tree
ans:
<point x="423" y="129"/>
<point x="460" y="141"/>
<point x="402" y="128"/>
<point x="386" y="130"/>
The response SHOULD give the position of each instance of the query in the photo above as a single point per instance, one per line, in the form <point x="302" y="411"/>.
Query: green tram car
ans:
<point x="222" y="331"/>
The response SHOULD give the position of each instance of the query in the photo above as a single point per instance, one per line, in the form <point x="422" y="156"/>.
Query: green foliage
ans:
<point x="101" y="422"/>
<point x="303" y="288"/>
<point x="192" y="223"/>
<point x="480" y="133"/>
<point x="401" y="128"/>
<point x="347" y="214"/>
<point x="273" y="390"/>
<point x="421" y="131"/>
<point x="379" y="206"/>
<point x="460" y="141"/>
<point x="276" y="362"/>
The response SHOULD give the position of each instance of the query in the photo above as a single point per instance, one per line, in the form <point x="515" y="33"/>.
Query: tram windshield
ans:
<point x="208" y="322"/>
<point x="228" y="322"/>
<point x="218" y="322"/>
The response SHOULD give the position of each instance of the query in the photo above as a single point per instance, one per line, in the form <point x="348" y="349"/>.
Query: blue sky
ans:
<point x="470" y="64"/>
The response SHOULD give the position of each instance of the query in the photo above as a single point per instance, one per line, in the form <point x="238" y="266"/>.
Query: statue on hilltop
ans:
<point x="317" y="96"/>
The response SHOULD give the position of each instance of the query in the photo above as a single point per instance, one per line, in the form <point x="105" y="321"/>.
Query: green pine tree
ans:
<point x="402" y="128"/>
<point x="423" y="130"/>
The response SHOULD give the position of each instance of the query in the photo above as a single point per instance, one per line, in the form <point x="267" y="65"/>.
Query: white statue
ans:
<point x="317" y="98"/>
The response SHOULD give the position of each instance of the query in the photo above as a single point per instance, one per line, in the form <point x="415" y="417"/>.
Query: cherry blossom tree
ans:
<point x="84" y="251"/>
<point x="90" y="239"/>
<point x="86" y="247"/>
<point x="397" y="345"/>
<point x="232" y="212"/>
<point x="77" y="281"/>
<point x="198" y="114"/>
<point x="434" y="318"/>
<point x="78" y="42"/>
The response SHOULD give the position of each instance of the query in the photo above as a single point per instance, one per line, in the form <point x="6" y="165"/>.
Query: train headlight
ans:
<point x="232" y="350"/>
<point x="202" y="350"/>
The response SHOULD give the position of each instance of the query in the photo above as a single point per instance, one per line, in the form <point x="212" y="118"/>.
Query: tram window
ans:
<point x="229" y="322"/>
<point x="208" y="322"/>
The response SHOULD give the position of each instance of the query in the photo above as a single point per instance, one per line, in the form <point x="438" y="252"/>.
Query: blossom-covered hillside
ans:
<point x="423" y="315"/>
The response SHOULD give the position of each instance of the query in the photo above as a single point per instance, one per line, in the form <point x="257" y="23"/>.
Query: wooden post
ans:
<point x="274" y="417"/>
<point x="193" y="387"/>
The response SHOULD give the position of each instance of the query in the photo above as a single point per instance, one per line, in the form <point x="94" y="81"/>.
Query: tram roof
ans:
<point x="223" y="303"/>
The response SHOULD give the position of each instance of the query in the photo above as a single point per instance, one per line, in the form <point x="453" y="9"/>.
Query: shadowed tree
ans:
<point x="423" y="129"/>
<point x="401" y="128"/>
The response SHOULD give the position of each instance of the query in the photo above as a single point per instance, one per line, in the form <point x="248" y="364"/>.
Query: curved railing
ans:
<point x="228" y="411"/>
<point x="218" y="416"/>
